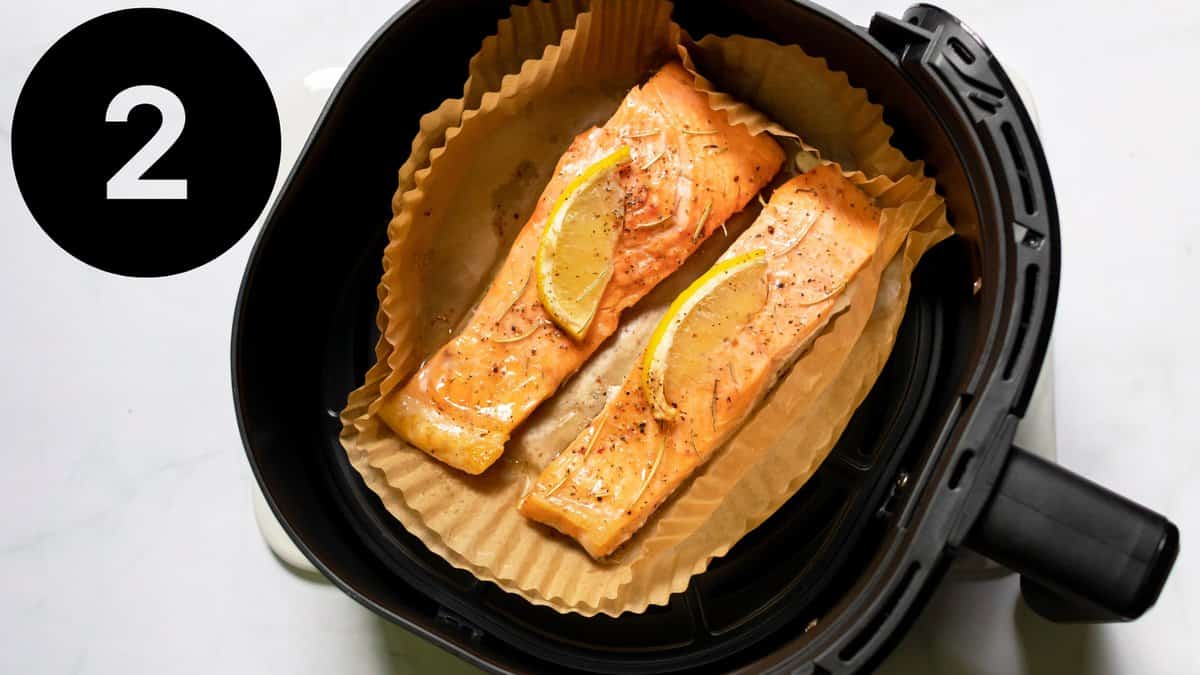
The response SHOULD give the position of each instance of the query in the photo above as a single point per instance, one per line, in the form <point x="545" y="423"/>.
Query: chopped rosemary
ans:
<point x="703" y="221"/>
<point x="642" y="134"/>
<point x="583" y="458"/>
<point x="655" y="223"/>
<point x="653" y="469"/>
<point x="653" y="159"/>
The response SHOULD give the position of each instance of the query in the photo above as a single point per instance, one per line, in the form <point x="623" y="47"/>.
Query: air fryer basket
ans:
<point x="831" y="580"/>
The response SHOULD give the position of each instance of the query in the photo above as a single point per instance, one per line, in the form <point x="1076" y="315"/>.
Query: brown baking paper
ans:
<point x="460" y="215"/>
<point x="522" y="36"/>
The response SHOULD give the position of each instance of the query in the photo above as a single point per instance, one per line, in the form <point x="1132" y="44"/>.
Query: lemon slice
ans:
<point x="575" y="256"/>
<point x="711" y="310"/>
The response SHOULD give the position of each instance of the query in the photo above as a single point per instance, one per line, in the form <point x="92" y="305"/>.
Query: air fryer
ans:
<point x="925" y="468"/>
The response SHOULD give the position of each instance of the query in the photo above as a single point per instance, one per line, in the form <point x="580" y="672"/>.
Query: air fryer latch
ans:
<point x="897" y="35"/>
<point x="933" y="38"/>
<point x="953" y="67"/>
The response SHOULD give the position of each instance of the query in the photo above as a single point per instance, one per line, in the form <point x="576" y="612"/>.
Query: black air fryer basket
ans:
<point x="926" y="466"/>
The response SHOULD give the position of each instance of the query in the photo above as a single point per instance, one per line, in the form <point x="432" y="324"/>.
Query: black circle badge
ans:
<point x="145" y="142"/>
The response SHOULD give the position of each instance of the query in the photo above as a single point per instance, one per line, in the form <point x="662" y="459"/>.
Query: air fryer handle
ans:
<point x="1085" y="554"/>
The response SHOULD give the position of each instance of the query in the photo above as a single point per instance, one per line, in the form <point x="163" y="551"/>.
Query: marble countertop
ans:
<point x="127" y="541"/>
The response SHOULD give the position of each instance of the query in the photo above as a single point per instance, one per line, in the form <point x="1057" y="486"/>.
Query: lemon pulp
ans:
<point x="696" y="326"/>
<point x="575" y="256"/>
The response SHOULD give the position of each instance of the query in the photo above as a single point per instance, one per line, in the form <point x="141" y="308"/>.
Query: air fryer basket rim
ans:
<point x="1016" y="310"/>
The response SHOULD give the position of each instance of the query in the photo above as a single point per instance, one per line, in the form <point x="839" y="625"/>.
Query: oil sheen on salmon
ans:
<point x="688" y="171"/>
<point x="816" y="233"/>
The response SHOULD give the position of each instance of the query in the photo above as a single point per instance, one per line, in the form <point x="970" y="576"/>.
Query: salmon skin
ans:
<point x="817" y="231"/>
<point x="689" y="171"/>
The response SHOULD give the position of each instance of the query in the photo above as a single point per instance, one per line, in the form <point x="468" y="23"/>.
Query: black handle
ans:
<point x="1085" y="554"/>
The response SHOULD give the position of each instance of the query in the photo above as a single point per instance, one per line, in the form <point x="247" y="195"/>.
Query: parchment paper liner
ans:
<point x="521" y="37"/>
<point x="472" y="522"/>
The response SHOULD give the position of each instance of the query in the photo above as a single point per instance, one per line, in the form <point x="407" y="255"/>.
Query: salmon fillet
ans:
<point x="689" y="172"/>
<point x="605" y="485"/>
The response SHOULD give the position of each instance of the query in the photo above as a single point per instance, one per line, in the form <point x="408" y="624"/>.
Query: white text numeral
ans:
<point x="127" y="182"/>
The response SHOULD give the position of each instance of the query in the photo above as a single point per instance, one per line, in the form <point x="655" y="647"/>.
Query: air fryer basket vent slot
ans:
<point x="961" y="49"/>
<point x="1014" y="149"/>
<point x="960" y="469"/>
<point x="1028" y="300"/>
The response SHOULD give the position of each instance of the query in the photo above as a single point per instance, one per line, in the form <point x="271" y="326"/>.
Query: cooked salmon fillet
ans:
<point x="689" y="172"/>
<point x="609" y="480"/>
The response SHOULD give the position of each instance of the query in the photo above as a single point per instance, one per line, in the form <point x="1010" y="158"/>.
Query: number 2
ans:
<point x="127" y="182"/>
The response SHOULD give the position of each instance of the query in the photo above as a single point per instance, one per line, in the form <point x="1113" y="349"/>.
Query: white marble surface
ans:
<point x="127" y="542"/>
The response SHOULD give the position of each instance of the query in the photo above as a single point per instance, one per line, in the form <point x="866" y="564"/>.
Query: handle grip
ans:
<point x="1084" y="553"/>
